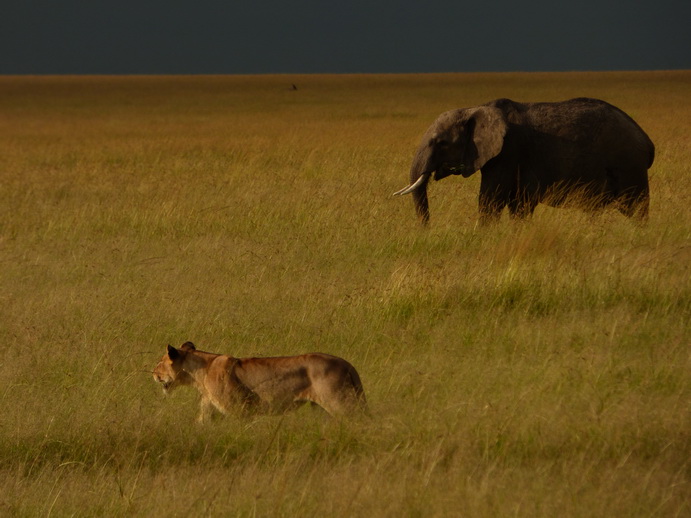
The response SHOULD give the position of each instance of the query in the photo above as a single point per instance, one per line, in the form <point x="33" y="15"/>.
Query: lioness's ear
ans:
<point x="188" y="346"/>
<point x="173" y="353"/>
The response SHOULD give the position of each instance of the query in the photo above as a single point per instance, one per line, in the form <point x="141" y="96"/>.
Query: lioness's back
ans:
<point x="331" y="382"/>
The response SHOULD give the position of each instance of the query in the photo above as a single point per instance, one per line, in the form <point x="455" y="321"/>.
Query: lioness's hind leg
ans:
<point x="313" y="395"/>
<point x="339" y="400"/>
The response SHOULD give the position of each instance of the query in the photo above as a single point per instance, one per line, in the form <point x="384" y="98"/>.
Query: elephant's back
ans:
<point x="596" y="125"/>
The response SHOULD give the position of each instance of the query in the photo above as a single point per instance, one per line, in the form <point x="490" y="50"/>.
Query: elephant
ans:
<point x="583" y="152"/>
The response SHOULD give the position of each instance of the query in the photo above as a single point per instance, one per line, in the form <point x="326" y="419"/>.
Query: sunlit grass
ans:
<point x="532" y="369"/>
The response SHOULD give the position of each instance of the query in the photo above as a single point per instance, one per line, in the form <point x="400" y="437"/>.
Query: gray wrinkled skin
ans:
<point x="582" y="151"/>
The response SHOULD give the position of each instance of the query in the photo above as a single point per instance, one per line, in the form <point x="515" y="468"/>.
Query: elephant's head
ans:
<point x="458" y="142"/>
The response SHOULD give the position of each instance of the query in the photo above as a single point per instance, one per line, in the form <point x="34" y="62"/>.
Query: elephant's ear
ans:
<point x="488" y="133"/>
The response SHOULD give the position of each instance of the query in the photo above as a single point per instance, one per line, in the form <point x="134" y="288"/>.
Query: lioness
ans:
<point x="263" y="384"/>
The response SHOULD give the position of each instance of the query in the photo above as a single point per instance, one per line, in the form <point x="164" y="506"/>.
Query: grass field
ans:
<point x="532" y="369"/>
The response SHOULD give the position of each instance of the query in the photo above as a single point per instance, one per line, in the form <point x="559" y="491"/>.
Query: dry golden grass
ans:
<point x="528" y="369"/>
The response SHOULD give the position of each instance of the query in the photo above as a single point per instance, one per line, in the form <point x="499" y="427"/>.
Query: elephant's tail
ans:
<point x="651" y="154"/>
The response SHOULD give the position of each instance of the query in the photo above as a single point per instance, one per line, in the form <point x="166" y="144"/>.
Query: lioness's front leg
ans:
<point x="205" y="410"/>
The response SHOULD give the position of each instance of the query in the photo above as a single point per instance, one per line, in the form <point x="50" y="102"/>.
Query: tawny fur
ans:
<point x="274" y="384"/>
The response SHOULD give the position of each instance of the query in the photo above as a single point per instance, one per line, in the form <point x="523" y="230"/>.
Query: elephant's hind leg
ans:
<point x="635" y="206"/>
<point x="634" y="197"/>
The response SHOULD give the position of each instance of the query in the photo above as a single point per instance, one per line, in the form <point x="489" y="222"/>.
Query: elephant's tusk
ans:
<point x="407" y="190"/>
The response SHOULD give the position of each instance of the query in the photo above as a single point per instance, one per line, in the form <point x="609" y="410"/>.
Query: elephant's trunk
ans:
<point x="421" y="203"/>
<point x="420" y="172"/>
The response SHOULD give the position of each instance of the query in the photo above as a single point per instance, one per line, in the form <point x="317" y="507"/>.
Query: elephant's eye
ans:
<point x="443" y="144"/>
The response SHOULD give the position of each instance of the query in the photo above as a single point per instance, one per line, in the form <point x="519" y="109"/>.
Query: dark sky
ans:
<point x="341" y="36"/>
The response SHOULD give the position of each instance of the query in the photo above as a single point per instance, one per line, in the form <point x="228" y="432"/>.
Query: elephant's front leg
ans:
<point x="493" y="198"/>
<point x="522" y="206"/>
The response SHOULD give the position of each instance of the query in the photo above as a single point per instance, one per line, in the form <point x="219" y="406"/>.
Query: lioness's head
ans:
<point x="170" y="372"/>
